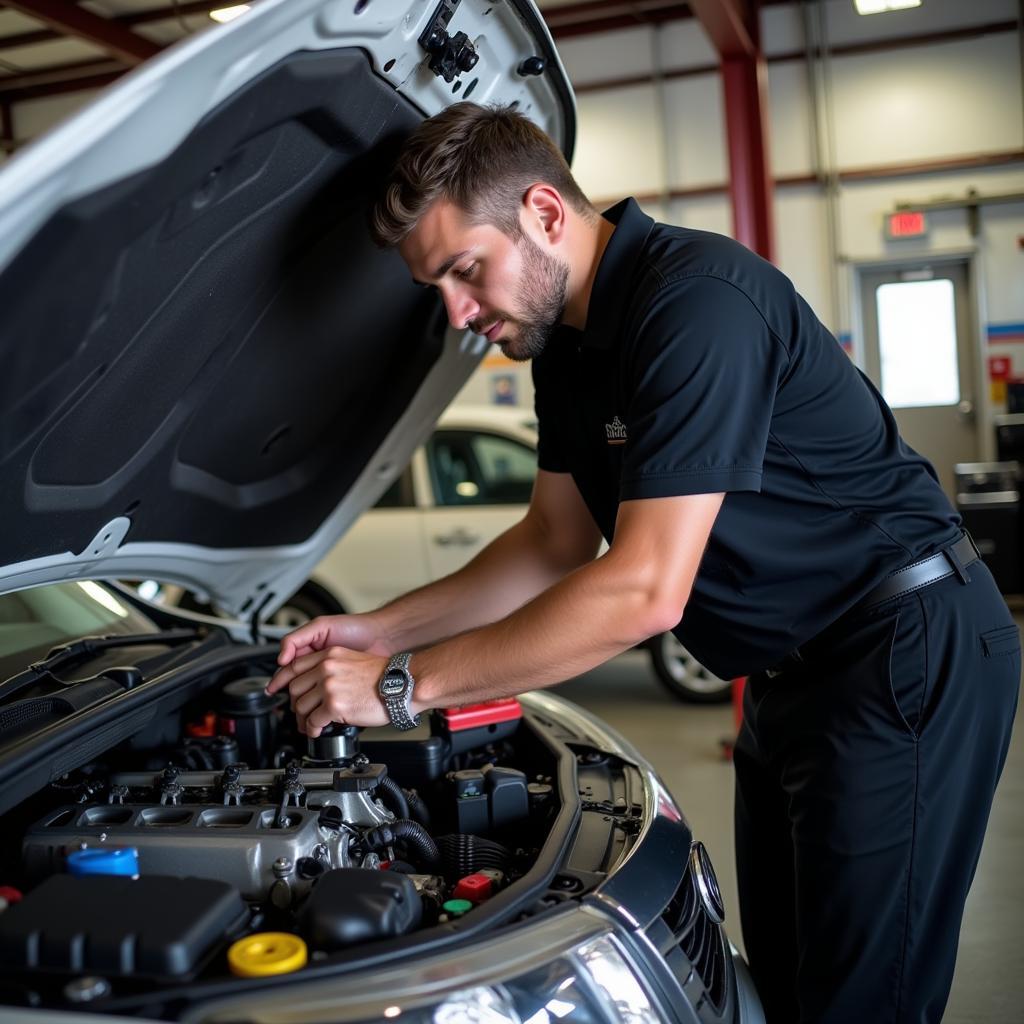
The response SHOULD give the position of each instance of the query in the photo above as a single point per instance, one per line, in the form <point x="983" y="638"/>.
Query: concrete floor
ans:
<point x="683" y="743"/>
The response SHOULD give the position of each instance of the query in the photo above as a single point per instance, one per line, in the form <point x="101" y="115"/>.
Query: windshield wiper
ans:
<point x="89" y="646"/>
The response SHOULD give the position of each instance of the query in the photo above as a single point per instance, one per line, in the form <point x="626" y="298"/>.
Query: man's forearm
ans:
<point x="591" y="615"/>
<point x="511" y="570"/>
<point x="635" y="590"/>
<point x="638" y="588"/>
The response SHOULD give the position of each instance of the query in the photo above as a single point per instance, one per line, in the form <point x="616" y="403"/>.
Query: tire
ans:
<point x="683" y="676"/>
<point x="309" y="601"/>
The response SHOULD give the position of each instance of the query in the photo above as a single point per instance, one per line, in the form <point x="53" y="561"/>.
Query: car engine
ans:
<point x="176" y="854"/>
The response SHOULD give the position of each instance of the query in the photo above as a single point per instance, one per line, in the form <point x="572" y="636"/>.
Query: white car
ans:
<point x="468" y="483"/>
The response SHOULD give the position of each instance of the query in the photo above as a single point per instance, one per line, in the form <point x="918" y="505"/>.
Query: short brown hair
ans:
<point x="482" y="159"/>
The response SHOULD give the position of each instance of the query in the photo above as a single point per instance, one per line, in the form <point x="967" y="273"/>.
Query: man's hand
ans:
<point x="356" y="632"/>
<point x="331" y="667"/>
<point x="333" y="685"/>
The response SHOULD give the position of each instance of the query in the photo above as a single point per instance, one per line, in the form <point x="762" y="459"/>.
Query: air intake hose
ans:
<point x="464" y="854"/>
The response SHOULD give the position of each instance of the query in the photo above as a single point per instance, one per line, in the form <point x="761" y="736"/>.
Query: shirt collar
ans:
<point x="611" y="290"/>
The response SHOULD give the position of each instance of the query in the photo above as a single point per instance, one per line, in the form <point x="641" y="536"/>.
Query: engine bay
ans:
<point x="219" y="843"/>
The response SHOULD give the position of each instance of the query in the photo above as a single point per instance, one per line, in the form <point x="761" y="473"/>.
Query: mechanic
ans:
<point x="758" y="501"/>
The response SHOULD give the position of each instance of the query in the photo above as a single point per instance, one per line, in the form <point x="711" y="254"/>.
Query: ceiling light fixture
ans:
<point x="880" y="6"/>
<point x="226" y="14"/>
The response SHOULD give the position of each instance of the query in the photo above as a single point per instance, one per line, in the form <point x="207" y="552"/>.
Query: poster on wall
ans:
<point x="999" y="371"/>
<point x="503" y="389"/>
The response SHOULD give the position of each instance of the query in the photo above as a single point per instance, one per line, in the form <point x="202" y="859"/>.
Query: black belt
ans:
<point x="946" y="562"/>
<point x="952" y="560"/>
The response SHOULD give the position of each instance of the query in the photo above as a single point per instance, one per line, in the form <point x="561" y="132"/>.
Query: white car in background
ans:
<point x="470" y="482"/>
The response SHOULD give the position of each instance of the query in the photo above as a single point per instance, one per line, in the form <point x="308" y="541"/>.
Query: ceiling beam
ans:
<point x="42" y="35"/>
<point x="182" y="10"/>
<point x="12" y="86"/>
<point x="592" y="26"/>
<point x="849" y="50"/>
<point x="68" y="18"/>
<point x="879" y="172"/>
<point x="731" y="25"/>
<point x="55" y="81"/>
<point x="97" y="80"/>
<point x="165" y="13"/>
<point x="597" y="9"/>
<point x="592" y="16"/>
<point x="63" y="74"/>
<point x="565" y="21"/>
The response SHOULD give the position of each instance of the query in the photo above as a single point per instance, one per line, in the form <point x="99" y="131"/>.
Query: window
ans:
<point x="399" y="494"/>
<point x="917" y="343"/>
<point x="480" y="469"/>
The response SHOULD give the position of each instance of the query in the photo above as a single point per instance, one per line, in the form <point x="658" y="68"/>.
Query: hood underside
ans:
<point x="209" y="368"/>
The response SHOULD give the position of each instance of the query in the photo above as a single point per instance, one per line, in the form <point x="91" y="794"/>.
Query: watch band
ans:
<point x="396" y="688"/>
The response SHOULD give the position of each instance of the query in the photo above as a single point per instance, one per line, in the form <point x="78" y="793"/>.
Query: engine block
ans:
<point x="244" y="839"/>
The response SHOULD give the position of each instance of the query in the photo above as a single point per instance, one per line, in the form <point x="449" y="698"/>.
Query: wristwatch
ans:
<point x="396" y="691"/>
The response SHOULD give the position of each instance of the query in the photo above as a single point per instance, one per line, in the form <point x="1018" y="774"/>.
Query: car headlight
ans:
<point x="572" y="967"/>
<point x="591" y="984"/>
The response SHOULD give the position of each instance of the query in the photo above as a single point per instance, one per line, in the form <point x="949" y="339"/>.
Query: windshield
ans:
<point x="34" y="621"/>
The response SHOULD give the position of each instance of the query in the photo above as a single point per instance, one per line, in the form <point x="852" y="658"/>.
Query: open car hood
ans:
<point x="209" y="371"/>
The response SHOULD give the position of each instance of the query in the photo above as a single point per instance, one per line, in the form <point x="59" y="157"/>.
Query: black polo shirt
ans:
<point x="702" y="370"/>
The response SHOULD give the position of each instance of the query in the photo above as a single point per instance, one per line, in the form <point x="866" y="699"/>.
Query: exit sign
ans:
<point x="905" y="224"/>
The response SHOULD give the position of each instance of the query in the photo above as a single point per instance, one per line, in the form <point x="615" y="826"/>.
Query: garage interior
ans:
<point x="894" y="151"/>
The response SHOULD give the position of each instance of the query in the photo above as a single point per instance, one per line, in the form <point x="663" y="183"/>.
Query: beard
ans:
<point x="541" y="300"/>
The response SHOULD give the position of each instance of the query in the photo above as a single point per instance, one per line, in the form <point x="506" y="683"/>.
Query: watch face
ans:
<point x="392" y="686"/>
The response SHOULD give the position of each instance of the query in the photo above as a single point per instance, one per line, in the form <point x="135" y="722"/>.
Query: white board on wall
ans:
<point x="695" y="113"/>
<point x="620" y="144"/>
<point x="597" y="58"/>
<point x="929" y="102"/>
<point x="790" y="119"/>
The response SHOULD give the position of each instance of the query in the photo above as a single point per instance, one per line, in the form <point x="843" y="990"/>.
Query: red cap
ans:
<point x="9" y="893"/>
<point x="475" y="888"/>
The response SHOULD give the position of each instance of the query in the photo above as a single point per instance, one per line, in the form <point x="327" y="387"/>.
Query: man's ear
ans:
<point x="544" y="214"/>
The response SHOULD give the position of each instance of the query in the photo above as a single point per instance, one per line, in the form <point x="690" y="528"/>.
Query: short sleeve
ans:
<point x="703" y="369"/>
<point x="550" y="446"/>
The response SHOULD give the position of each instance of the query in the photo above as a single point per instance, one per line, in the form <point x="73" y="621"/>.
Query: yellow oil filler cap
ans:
<point x="267" y="953"/>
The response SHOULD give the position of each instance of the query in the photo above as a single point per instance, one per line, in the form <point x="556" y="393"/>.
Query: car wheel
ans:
<point x="684" y="675"/>
<point x="309" y="601"/>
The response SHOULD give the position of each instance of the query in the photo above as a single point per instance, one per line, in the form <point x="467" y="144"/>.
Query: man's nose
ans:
<point x="460" y="306"/>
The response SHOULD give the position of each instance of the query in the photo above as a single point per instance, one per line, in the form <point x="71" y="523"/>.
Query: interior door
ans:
<point x="920" y="352"/>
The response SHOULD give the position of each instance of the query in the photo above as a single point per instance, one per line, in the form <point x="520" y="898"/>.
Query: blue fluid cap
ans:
<point x="121" y="860"/>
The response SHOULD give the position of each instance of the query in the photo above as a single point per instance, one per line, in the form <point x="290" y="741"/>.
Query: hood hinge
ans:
<point x="450" y="55"/>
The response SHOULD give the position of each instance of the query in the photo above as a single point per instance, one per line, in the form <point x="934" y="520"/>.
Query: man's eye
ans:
<point x="465" y="275"/>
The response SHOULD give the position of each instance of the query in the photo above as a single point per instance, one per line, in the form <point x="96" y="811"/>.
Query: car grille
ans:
<point x="694" y="917"/>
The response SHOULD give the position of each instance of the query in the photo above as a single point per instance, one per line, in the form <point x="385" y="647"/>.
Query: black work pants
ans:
<point x="865" y="774"/>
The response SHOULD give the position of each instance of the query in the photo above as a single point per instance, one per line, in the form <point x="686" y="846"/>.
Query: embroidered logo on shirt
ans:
<point x="616" y="431"/>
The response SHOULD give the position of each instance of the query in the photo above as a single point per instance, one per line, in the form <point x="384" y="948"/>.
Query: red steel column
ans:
<point x="734" y="29"/>
<point x="750" y="182"/>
